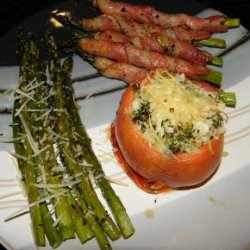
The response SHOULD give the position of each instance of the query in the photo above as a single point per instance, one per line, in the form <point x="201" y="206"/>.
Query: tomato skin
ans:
<point x="176" y="171"/>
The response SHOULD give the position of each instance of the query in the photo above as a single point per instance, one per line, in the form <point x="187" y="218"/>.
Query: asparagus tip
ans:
<point x="229" y="98"/>
<point x="213" y="42"/>
<point x="216" y="61"/>
<point x="232" y="22"/>
<point x="214" y="77"/>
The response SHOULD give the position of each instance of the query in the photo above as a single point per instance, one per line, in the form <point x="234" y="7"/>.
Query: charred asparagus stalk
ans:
<point x="89" y="217"/>
<point x="93" y="223"/>
<point x="112" y="199"/>
<point x="83" y="231"/>
<point x="29" y="173"/>
<point x="47" y="156"/>
<point x="41" y="119"/>
<point x="45" y="160"/>
<point x="67" y="152"/>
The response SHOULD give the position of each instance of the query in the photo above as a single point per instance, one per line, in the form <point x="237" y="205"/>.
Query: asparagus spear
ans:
<point x="51" y="231"/>
<point x="41" y="159"/>
<point x="217" y="61"/>
<point x="212" y="42"/>
<point x="83" y="230"/>
<point x="33" y="194"/>
<point x="218" y="42"/>
<point x="23" y="148"/>
<point x="113" y="200"/>
<point x="214" y="77"/>
<point x="93" y="223"/>
<point x="232" y="22"/>
<point x="48" y="158"/>
<point x="68" y="152"/>
<point x="229" y="98"/>
<point x="90" y="218"/>
<point x="33" y="72"/>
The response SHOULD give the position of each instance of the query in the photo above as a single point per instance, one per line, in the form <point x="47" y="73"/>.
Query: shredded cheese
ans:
<point x="5" y="196"/>
<point x="43" y="173"/>
<point x="29" y="88"/>
<point x="18" y="156"/>
<point x="21" y="210"/>
<point x="12" y="203"/>
<point x="9" y="140"/>
<point x="23" y="94"/>
<point x="41" y="150"/>
<point x="175" y="115"/>
<point x="18" y="111"/>
<point x="57" y="220"/>
<point x="33" y="144"/>
<point x="116" y="181"/>
<point x="8" y="183"/>
<point x="43" y="115"/>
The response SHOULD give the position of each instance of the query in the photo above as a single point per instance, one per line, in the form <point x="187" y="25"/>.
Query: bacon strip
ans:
<point x="141" y="58"/>
<point x="132" y="74"/>
<point x="148" y="14"/>
<point x="122" y="71"/>
<point x="120" y="24"/>
<point x="160" y="43"/>
<point x="187" y="35"/>
<point x="133" y="28"/>
<point x="113" y="36"/>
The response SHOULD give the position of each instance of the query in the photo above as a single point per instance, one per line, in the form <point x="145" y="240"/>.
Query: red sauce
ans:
<point x="153" y="187"/>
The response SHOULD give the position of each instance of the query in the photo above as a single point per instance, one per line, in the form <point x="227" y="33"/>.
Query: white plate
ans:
<point x="213" y="216"/>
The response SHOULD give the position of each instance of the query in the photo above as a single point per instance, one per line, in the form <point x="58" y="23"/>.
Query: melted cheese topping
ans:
<point x="175" y="115"/>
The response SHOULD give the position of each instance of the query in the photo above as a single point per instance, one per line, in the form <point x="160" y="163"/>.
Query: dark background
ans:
<point x="13" y="12"/>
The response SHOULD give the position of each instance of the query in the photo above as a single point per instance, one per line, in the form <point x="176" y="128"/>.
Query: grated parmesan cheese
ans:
<point x="175" y="115"/>
<point x="24" y="208"/>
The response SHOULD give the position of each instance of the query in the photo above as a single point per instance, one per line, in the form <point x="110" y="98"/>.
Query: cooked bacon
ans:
<point x="122" y="71"/>
<point x="160" y="43"/>
<point x="133" y="28"/>
<point x="187" y="35"/>
<point x="148" y="14"/>
<point x="113" y="36"/>
<point x="120" y="24"/>
<point x="141" y="58"/>
<point x="132" y="74"/>
<point x="184" y="50"/>
<point x="207" y="86"/>
<point x="212" y="24"/>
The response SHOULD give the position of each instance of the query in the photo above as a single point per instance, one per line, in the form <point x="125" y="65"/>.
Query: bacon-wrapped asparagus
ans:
<point x="118" y="70"/>
<point x="145" y="59"/>
<point x="132" y="75"/>
<point x="148" y="14"/>
<point x="118" y="29"/>
<point x="188" y="35"/>
<point x="162" y="44"/>
<point x="141" y="58"/>
<point x="133" y="28"/>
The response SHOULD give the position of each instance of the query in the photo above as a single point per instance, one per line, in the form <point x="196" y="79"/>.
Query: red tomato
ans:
<point x="177" y="171"/>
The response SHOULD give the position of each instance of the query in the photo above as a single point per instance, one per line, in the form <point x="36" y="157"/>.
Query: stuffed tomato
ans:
<point x="169" y="132"/>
